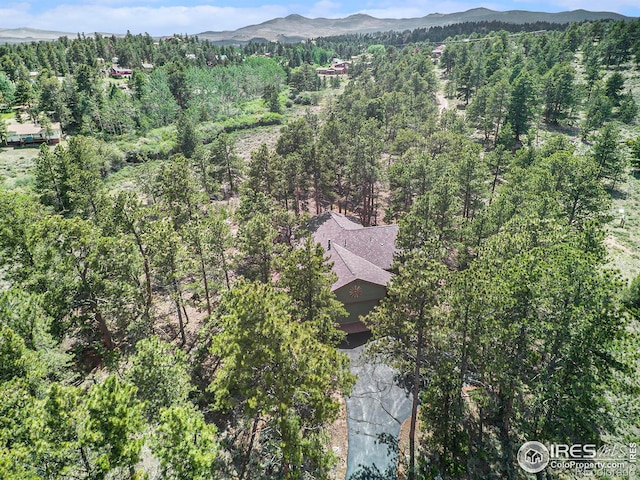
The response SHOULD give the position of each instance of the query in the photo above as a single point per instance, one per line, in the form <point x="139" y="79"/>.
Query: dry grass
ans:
<point x="15" y="166"/>
<point x="623" y="240"/>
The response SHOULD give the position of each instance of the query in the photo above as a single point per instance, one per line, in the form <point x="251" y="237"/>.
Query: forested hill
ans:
<point x="296" y="27"/>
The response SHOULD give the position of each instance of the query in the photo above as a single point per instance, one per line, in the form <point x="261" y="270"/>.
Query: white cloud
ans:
<point x="18" y="11"/>
<point x="140" y="19"/>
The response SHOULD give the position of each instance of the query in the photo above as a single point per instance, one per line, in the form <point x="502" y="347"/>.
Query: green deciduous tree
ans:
<point x="7" y="91"/>
<point x="157" y="102"/>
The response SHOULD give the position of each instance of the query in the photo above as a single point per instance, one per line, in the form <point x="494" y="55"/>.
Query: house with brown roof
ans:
<point x="361" y="257"/>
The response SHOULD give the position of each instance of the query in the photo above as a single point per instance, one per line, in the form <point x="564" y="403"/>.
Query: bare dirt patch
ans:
<point x="443" y="102"/>
<point x="612" y="242"/>
<point x="339" y="442"/>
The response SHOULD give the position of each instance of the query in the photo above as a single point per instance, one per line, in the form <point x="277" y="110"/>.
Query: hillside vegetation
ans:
<point x="165" y="313"/>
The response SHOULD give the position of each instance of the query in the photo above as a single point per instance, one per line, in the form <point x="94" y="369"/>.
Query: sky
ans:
<point x="166" y="17"/>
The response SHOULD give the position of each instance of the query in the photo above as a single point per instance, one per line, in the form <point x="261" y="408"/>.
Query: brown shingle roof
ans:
<point x="362" y="252"/>
<point x="375" y="244"/>
<point x="349" y="267"/>
<point x="31" y="128"/>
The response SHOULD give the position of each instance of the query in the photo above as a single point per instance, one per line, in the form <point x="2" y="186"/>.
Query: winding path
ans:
<point x="443" y="102"/>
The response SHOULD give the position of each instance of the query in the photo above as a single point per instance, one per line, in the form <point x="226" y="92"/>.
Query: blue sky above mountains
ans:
<point x="164" y="17"/>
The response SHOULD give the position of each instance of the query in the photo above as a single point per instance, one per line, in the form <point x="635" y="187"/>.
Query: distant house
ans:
<point x="30" y="133"/>
<point x="362" y="257"/>
<point x="341" y="67"/>
<point x="325" y="71"/>
<point x="147" y="66"/>
<point x="337" y="68"/>
<point x="437" y="52"/>
<point x="119" y="72"/>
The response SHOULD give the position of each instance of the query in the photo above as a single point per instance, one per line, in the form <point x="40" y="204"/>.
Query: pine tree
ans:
<point x="275" y="369"/>
<point x="406" y="325"/>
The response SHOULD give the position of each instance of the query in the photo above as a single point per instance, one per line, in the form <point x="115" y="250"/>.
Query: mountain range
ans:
<point x="294" y="28"/>
<point x="27" y="35"/>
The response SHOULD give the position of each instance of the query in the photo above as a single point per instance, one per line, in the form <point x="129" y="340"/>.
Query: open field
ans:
<point x="623" y="238"/>
<point x="15" y="166"/>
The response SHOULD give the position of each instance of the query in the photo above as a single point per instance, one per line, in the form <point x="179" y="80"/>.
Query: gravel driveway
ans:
<point x="376" y="409"/>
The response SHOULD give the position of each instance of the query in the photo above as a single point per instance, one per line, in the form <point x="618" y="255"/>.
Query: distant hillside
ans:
<point x="296" y="27"/>
<point x="26" y="35"/>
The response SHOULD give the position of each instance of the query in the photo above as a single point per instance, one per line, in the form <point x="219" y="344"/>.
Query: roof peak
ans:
<point x="359" y="268"/>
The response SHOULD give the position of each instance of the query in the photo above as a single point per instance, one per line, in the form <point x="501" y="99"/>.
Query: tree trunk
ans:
<point x="206" y="285"/>
<point x="414" y="409"/>
<point x="147" y="271"/>
<point x="230" y="178"/>
<point x="107" y="339"/>
<point x="176" y="292"/>
<point x="85" y="461"/>
<point x="247" y="458"/>
<point x="225" y="269"/>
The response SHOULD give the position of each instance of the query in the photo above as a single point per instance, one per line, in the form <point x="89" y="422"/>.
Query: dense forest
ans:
<point x="181" y="324"/>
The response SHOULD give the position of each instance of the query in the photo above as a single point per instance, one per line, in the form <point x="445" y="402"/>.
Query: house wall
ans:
<point x="21" y="139"/>
<point x="369" y="297"/>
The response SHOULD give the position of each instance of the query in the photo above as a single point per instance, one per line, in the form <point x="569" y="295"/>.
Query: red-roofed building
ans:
<point x="362" y="258"/>
<point x="336" y="68"/>
<point x="119" y="72"/>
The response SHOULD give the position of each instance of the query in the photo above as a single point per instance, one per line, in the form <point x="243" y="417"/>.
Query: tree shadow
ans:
<point x="616" y="194"/>
<point x="372" y="472"/>
<point x="354" y="340"/>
